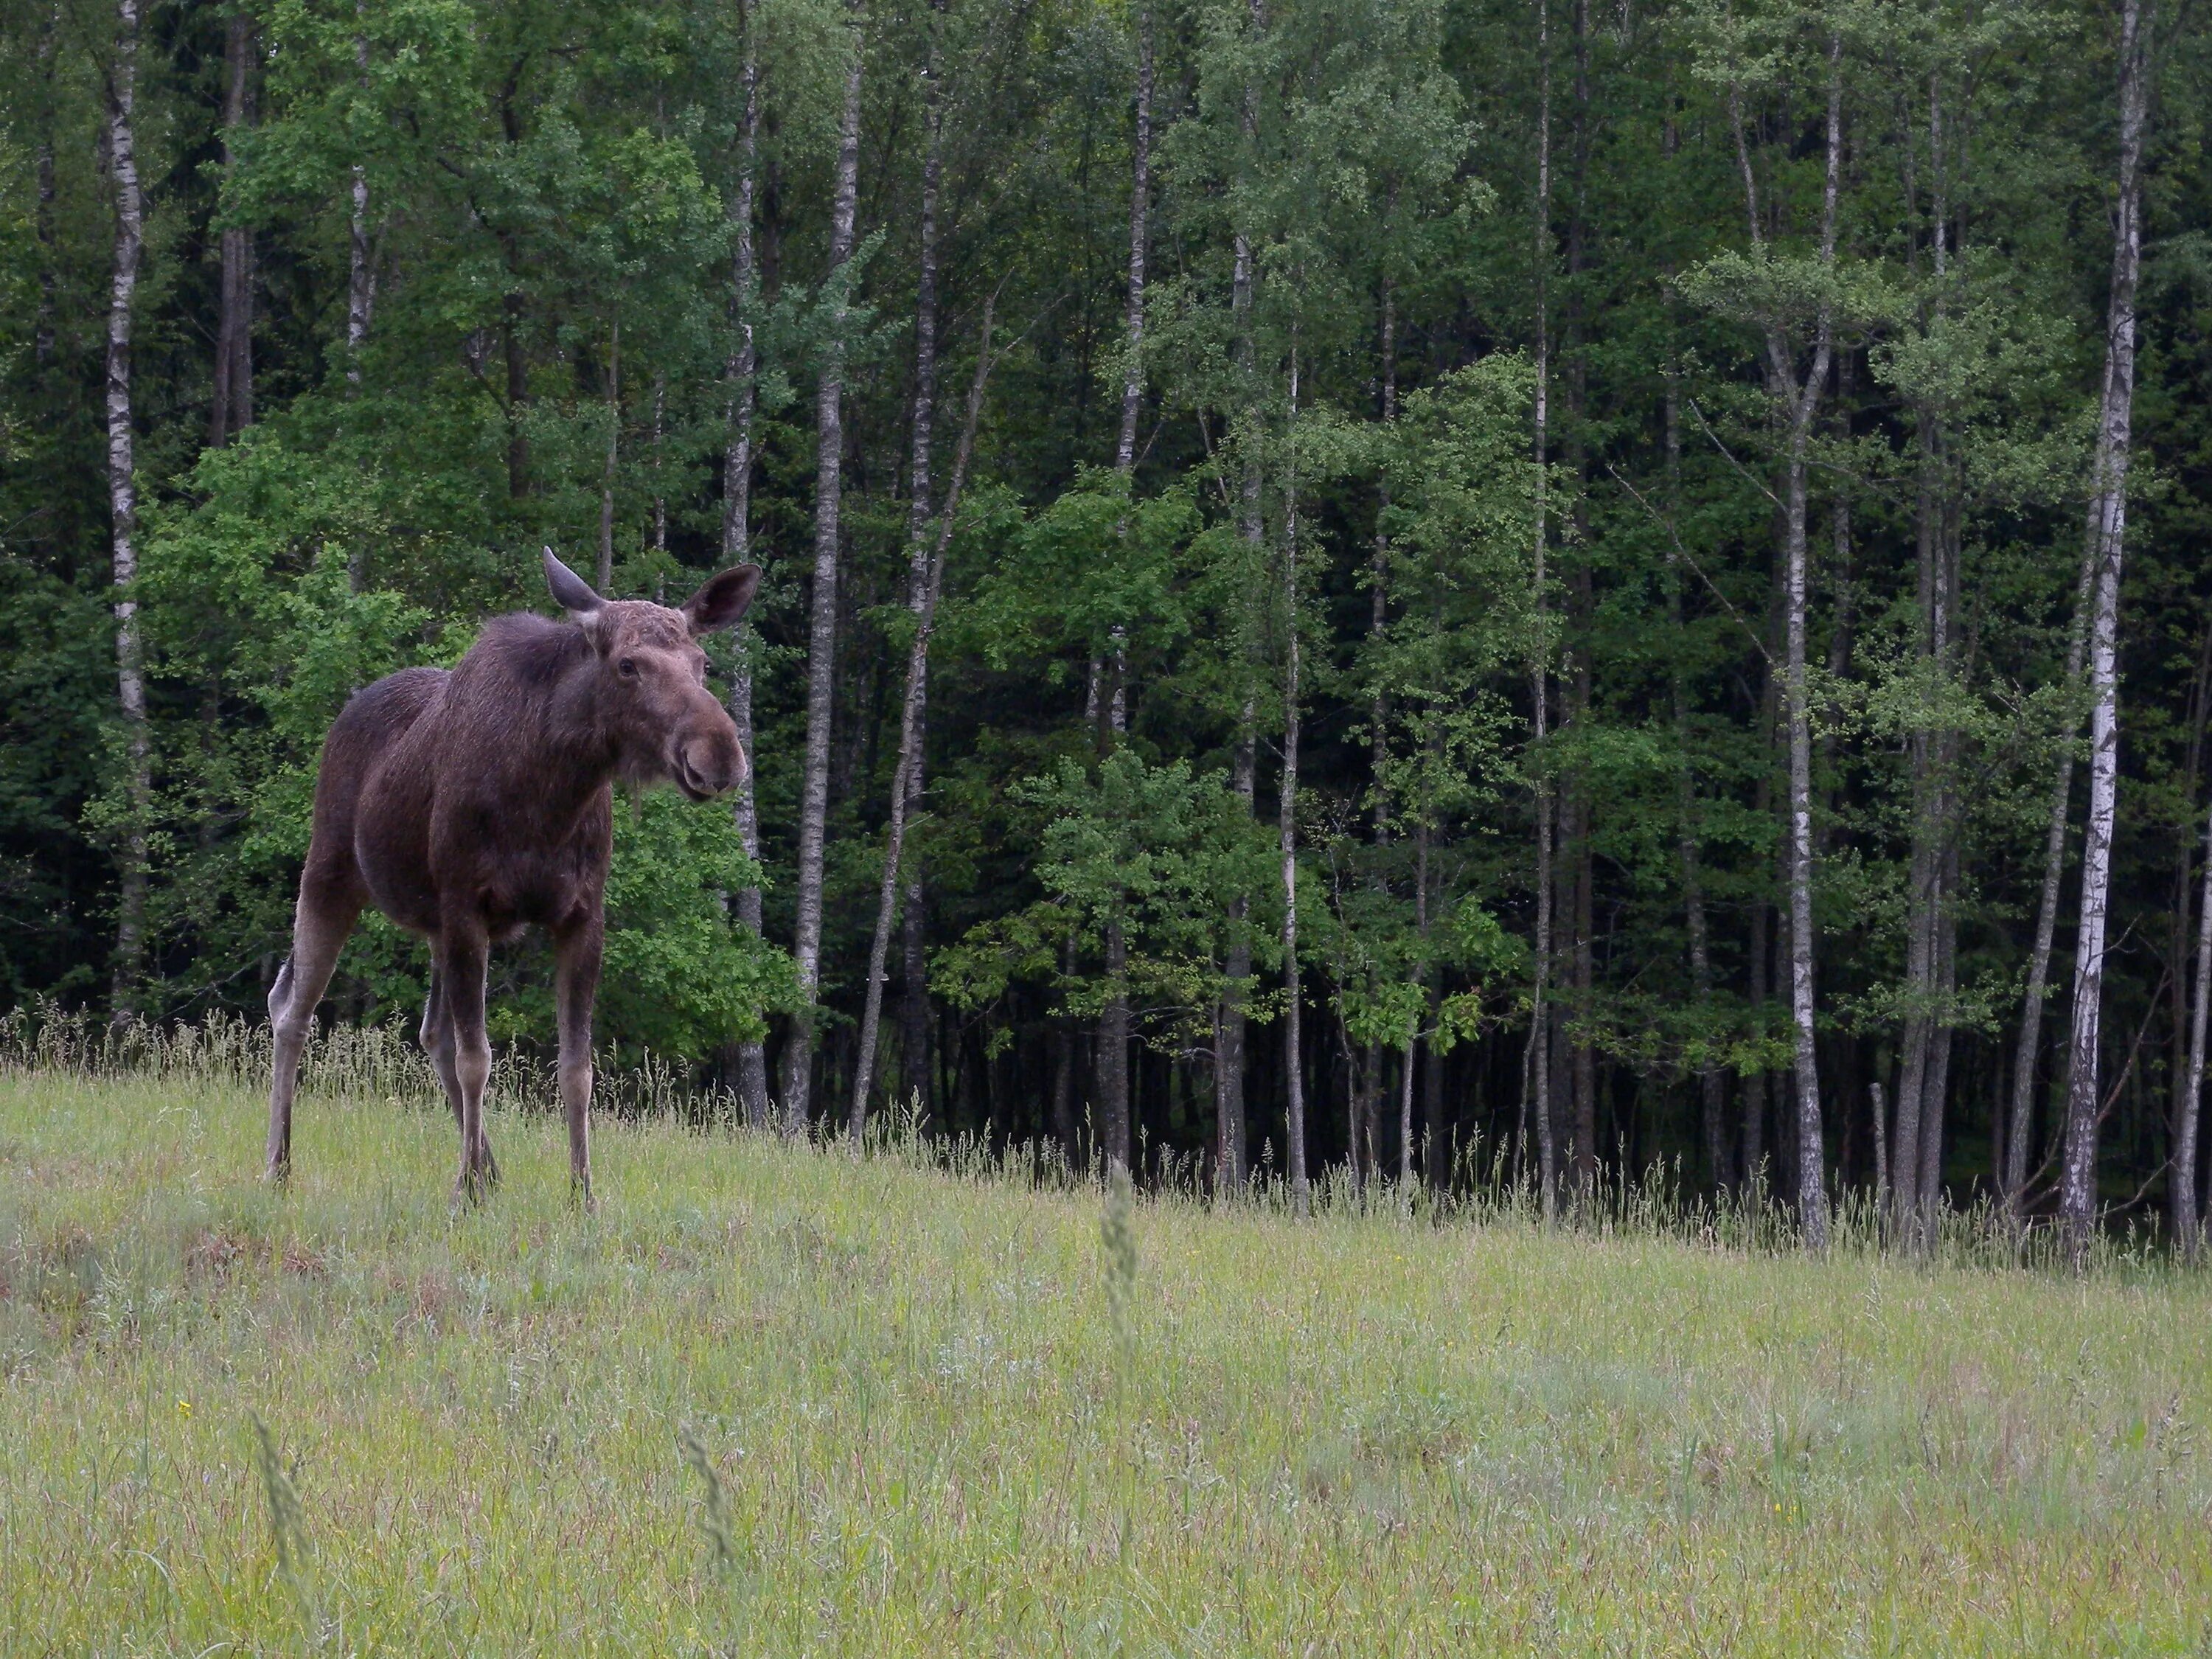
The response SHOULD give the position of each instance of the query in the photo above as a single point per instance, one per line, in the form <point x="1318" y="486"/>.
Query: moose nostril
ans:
<point x="710" y="768"/>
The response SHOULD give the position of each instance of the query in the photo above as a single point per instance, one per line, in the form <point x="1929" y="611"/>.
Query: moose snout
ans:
<point x="707" y="763"/>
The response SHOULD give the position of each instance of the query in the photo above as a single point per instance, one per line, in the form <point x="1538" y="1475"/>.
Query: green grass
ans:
<point x="934" y="1424"/>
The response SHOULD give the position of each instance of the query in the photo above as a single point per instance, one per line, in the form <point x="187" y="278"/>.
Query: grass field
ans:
<point x="940" y="1418"/>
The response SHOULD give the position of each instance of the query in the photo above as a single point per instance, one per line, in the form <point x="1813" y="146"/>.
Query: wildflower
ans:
<point x="184" y="1407"/>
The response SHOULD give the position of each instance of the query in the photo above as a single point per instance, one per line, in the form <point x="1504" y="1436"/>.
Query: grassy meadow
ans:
<point x="775" y="1400"/>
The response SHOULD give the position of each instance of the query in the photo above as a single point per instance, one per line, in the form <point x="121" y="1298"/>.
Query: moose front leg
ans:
<point x="462" y="948"/>
<point x="576" y="988"/>
<point x="325" y="916"/>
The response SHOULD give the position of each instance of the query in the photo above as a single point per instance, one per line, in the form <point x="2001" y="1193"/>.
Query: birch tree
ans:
<point x="1792" y="300"/>
<point x="742" y="375"/>
<point x="122" y="90"/>
<point x="821" y="606"/>
<point x="2107" y="541"/>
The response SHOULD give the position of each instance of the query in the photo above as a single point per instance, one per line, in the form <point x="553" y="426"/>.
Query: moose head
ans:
<point x="648" y="696"/>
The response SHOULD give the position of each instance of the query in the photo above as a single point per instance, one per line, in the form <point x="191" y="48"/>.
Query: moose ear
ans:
<point x="722" y="599"/>
<point x="570" y="591"/>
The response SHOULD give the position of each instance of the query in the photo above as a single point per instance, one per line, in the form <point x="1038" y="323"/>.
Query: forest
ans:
<point x="1358" y="591"/>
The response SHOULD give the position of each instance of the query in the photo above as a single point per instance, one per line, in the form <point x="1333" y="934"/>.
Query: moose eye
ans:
<point x="627" y="668"/>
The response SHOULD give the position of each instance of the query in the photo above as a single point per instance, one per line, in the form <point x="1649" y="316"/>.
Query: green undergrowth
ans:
<point x="779" y="1399"/>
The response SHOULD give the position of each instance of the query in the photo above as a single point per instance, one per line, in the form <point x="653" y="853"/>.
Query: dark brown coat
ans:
<point x="467" y="804"/>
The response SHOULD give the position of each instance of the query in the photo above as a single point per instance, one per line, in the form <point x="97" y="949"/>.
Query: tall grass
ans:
<point x="385" y="1063"/>
<point x="940" y="1398"/>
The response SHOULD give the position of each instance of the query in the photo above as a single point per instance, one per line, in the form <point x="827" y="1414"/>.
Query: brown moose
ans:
<point x="467" y="803"/>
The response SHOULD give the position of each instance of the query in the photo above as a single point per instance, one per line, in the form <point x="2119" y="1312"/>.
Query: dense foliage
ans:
<point x="1493" y="360"/>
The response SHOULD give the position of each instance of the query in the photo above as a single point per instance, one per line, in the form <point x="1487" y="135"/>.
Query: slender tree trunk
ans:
<point x="2188" y="1222"/>
<point x="913" y="975"/>
<point x="123" y="510"/>
<point x="2180" y="1184"/>
<point x="233" y="348"/>
<point x="822" y="641"/>
<point x="1114" y="1023"/>
<point x="517" y="386"/>
<point x="1293" y="1048"/>
<point x="1413" y="1041"/>
<point x="660" y="484"/>
<point x="1931" y="919"/>
<point x="917" y="679"/>
<point x="922" y="581"/>
<point x="1799" y="401"/>
<point x="2107" y="539"/>
<point x="1230" y="1046"/>
<point x="1880" y="1146"/>
<point x="1378" y="612"/>
<point x="1582" y="879"/>
<point x="1233" y="1164"/>
<point x="742" y="375"/>
<point x="1712" y="1088"/>
<point x="361" y="264"/>
<point x="1536" y="1094"/>
<point x="42" y="332"/>
<point x="360" y="304"/>
<point x="2028" y="1047"/>
<point x="614" y="455"/>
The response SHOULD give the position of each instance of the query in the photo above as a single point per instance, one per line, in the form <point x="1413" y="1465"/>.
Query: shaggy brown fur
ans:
<point x="468" y="804"/>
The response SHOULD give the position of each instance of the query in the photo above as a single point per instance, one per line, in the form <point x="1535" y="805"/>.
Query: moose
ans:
<point x="469" y="803"/>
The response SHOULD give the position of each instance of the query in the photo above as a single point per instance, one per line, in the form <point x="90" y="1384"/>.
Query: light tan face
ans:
<point x="655" y="697"/>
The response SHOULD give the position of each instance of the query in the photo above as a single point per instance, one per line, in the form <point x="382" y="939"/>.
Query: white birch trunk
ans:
<point x="2188" y="1222"/>
<point x="822" y="633"/>
<point x="1536" y="1094"/>
<point x="1287" y="820"/>
<point x="123" y="509"/>
<point x="2028" y="1047"/>
<point x="736" y="529"/>
<point x="925" y="576"/>
<point x="232" y="408"/>
<point x="2106" y="538"/>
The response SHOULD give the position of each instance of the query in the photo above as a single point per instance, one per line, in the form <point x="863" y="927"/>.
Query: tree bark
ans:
<point x="1711" y="1087"/>
<point x="1915" y="1161"/>
<point x="821" y="634"/>
<point x="921" y="586"/>
<point x="361" y="265"/>
<point x="2181" y="1187"/>
<point x="1231" y="1023"/>
<point x="1287" y="826"/>
<point x="910" y="732"/>
<point x="1232" y="1152"/>
<point x="232" y="410"/>
<point x="2188" y="1222"/>
<point x="1114" y="1023"/>
<point x="123" y="510"/>
<point x="614" y="455"/>
<point x="1580" y="809"/>
<point x="1799" y="401"/>
<point x="2107" y="539"/>
<point x="1378" y="611"/>
<point x="1536" y="1093"/>
<point x="742" y="373"/>
<point x="2028" y="1047"/>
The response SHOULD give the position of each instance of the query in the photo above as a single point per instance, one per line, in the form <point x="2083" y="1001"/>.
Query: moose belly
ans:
<point x="514" y="900"/>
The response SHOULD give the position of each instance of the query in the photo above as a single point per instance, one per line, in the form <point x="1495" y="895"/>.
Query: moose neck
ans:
<point x="565" y="757"/>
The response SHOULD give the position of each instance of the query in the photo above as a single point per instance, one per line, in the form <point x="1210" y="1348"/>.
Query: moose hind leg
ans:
<point x="320" y="928"/>
<point x="576" y="988"/>
<point x="438" y="1043"/>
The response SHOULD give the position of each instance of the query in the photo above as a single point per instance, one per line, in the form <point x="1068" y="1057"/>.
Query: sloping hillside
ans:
<point x="939" y="1417"/>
